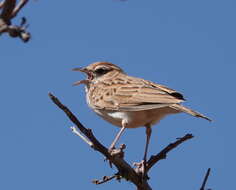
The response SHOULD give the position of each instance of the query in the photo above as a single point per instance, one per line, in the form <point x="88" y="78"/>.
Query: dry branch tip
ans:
<point x="9" y="10"/>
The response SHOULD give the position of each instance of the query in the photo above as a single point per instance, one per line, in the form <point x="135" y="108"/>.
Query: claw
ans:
<point x="141" y="169"/>
<point x="116" y="152"/>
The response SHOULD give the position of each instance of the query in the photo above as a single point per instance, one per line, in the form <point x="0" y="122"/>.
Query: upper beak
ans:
<point x="81" y="69"/>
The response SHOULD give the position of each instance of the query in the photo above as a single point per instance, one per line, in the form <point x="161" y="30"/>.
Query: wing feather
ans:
<point x="134" y="94"/>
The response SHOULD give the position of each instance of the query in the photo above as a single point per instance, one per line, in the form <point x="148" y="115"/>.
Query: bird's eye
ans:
<point x="101" y="71"/>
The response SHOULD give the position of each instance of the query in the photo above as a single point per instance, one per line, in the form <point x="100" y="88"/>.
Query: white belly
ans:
<point x="135" y="119"/>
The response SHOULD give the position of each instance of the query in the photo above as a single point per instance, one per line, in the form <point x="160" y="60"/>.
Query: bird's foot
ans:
<point x="111" y="149"/>
<point x="141" y="169"/>
<point x="116" y="152"/>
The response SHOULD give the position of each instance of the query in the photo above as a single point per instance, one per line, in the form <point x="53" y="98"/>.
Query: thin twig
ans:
<point x="104" y="179"/>
<point x="19" y="6"/>
<point x="87" y="132"/>
<point x="75" y="131"/>
<point x="162" y="155"/>
<point x="205" y="179"/>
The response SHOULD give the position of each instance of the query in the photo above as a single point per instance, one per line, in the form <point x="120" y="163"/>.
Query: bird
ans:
<point x="129" y="102"/>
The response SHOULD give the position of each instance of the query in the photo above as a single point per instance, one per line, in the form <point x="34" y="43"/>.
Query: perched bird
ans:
<point x="129" y="102"/>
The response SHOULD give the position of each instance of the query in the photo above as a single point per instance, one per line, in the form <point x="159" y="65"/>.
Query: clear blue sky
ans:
<point x="186" y="45"/>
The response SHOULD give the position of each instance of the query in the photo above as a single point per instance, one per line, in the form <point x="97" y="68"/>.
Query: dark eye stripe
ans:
<point x="101" y="71"/>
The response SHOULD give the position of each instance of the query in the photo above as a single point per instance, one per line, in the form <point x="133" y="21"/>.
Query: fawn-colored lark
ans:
<point x="129" y="102"/>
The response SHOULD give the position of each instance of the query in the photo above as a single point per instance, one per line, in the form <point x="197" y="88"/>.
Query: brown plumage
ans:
<point x="129" y="102"/>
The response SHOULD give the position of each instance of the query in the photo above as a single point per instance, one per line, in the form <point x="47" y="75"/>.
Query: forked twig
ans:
<point x="162" y="155"/>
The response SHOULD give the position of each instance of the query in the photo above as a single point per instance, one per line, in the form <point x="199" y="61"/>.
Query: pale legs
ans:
<point x="124" y="124"/>
<point x="116" y="139"/>
<point x="148" y="135"/>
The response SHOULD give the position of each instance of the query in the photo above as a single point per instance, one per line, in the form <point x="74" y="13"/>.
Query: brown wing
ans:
<point x="127" y="93"/>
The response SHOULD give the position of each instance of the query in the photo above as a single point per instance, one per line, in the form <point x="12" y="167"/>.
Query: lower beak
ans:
<point x="80" y="82"/>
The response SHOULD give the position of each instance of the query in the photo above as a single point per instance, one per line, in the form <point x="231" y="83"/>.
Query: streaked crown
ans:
<point x="100" y="67"/>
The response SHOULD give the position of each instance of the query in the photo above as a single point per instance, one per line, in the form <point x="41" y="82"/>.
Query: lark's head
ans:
<point x="97" y="70"/>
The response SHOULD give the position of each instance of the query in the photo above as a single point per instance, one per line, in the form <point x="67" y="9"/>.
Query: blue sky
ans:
<point x="186" y="45"/>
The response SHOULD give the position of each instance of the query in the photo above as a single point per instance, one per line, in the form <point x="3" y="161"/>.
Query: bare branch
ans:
<point x="124" y="169"/>
<point x="116" y="156"/>
<point x="8" y="6"/>
<point x="162" y="155"/>
<point x="205" y="179"/>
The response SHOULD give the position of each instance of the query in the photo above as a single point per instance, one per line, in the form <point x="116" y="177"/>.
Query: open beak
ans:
<point x="84" y="70"/>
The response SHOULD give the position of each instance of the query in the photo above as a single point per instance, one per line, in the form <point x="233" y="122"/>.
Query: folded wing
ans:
<point x="134" y="94"/>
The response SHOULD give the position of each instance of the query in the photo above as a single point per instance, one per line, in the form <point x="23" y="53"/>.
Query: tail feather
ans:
<point x="189" y="111"/>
